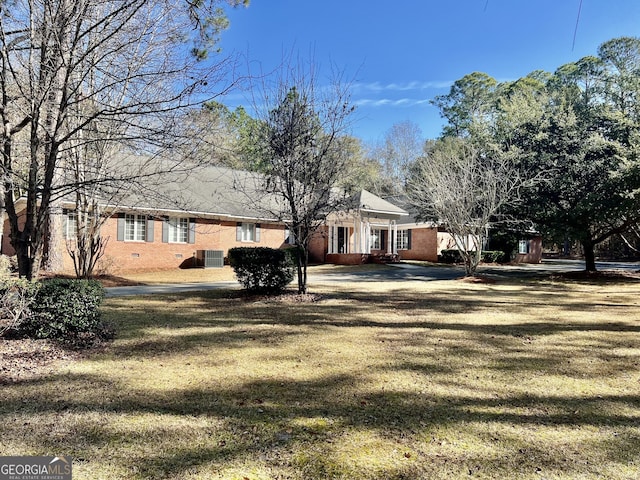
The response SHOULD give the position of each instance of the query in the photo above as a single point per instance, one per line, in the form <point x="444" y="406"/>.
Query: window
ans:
<point x="403" y="240"/>
<point x="70" y="227"/>
<point x="289" y="237"/>
<point x="178" y="230"/>
<point x="375" y="242"/>
<point x="248" y="232"/>
<point x="135" y="228"/>
<point x="523" y="247"/>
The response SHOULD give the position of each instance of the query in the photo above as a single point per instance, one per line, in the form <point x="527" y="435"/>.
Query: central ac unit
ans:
<point x="210" y="258"/>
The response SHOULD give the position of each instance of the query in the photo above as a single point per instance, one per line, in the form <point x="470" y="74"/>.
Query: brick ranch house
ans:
<point x="199" y="217"/>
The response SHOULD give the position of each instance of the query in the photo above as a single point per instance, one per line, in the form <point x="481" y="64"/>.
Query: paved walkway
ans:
<point x="168" y="288"/>
<point x="398" y="273"/>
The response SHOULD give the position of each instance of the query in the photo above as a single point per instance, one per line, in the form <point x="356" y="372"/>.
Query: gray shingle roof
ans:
<point x="368" y="202"/>
<point x="209" y="191"/>
<point x="220" y="192"/>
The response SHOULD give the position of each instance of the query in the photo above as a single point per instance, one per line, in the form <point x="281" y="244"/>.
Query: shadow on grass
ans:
<point x="230" y="318"/>
<point x="262" y="419"/>
<point x="293" y="425"/>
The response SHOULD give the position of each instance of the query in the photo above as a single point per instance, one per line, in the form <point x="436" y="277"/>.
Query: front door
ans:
<point x="343" y="239"/>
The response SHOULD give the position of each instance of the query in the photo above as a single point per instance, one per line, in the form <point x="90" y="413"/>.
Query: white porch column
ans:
<point x="393" y="233"/>
<point x="367" y="238"/>
<point x="395" y="237"/>
<point x="353" y="247"/>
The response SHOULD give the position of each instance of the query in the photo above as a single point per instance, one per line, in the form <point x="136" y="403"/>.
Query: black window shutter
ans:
<point x="120" y="234"/>
<point x="165" y="230"/>
<point x="383" y="238"/>
<point x="409" y="239"/>
<point x="191" y="234"/>
<point x="150" y="223"/>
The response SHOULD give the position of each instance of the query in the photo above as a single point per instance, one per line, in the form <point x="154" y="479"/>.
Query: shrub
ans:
<point x="487" y="256"/>
<point x="66" y="310"/>
<point x="16" y="297"/>
<point x="451" y="255"/>
<point x="493" y="256"/>
<point x="262" y="269"/>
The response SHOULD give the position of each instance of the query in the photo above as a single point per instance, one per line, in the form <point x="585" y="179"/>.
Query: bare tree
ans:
<point x="458" y="186"/>
<point x="66" y="65"/>
<point x="403" y="144"/>
<point x="305" y="159"/>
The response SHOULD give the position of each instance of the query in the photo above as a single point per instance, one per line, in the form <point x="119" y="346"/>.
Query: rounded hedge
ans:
<point x="65" y="309"/>
<point x="262" y="269"/>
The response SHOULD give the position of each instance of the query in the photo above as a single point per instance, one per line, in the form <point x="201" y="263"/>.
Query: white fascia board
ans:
<point x="406" y="226"/>
<point x="194" y="213"/>
<point x="383" y="212"/>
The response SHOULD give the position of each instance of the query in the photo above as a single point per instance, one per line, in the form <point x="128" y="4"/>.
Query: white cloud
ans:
<point x="401" y="87"/>
<point x="387" y="102"/>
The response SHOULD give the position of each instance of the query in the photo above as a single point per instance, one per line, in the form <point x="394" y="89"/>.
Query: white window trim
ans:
<point x="139" y="233"/>
<point x="178" y="230"/>
<point x="248" y="232"/>
<point x="402" y="239"/>
<point x="375" y="240"/>
<point x="523" y="247"/>
<point x="71" y="225"/>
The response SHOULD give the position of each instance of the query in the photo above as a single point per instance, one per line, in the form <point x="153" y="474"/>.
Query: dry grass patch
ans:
<point x="399" y="380"/>
<point x="191" y="275"/>
<point x="184" y="275"/>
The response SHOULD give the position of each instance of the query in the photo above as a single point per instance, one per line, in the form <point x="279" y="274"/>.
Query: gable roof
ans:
<point x="204" y="191"/>
<point x="412" y="218"/>
<point x="220" y="192"/>
<point x="367" y="202"/>
<point x="224" y="192"/>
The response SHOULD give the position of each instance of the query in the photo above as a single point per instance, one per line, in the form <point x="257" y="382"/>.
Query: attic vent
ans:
<point x="210" y="258"/>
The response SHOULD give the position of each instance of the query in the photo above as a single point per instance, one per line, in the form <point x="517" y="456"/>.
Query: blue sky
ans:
<point x="402" y="54"/>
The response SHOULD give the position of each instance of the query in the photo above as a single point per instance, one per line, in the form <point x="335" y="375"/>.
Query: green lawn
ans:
<point x="412" y="380"/>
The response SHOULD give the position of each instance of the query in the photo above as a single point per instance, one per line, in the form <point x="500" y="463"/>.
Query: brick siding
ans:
<point x="128" y="256"/>
<point x="424" y="245"/>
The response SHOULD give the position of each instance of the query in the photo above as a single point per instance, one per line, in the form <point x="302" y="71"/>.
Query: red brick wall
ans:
<point x="318" y="247"/>
<point x="126" y="256"/>
<point x="424" y="245"/>
<point x="535" y="252"/>
<point x="347" y="258"/>
<point x="210" y="235"/>
<point x="216" y="235"/>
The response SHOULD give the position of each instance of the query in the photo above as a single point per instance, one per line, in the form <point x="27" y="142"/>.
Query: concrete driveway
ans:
<point x="168" y="288"/>
<point x="396" y="272"/>
<point x="450" y="272"/>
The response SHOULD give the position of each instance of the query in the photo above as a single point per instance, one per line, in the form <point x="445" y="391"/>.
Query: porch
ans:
<point x="361" y="258"/>
<point x="366" y="234"/>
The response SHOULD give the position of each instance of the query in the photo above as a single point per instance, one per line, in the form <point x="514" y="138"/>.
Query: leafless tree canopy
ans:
<point x="455" y="185"/>
<point x="93" y="81"/>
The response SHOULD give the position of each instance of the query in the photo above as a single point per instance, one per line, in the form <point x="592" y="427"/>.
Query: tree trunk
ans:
<point x="303" y="261"/>
<point x="25" y="259"/>
<point x="2" y="215"/>
<point x="589" y="255"/>
<point x="305" y="257"/>
<point x="53" y="241"/>
<point x="471" y="261"/>
<point x="300" y="274"/>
